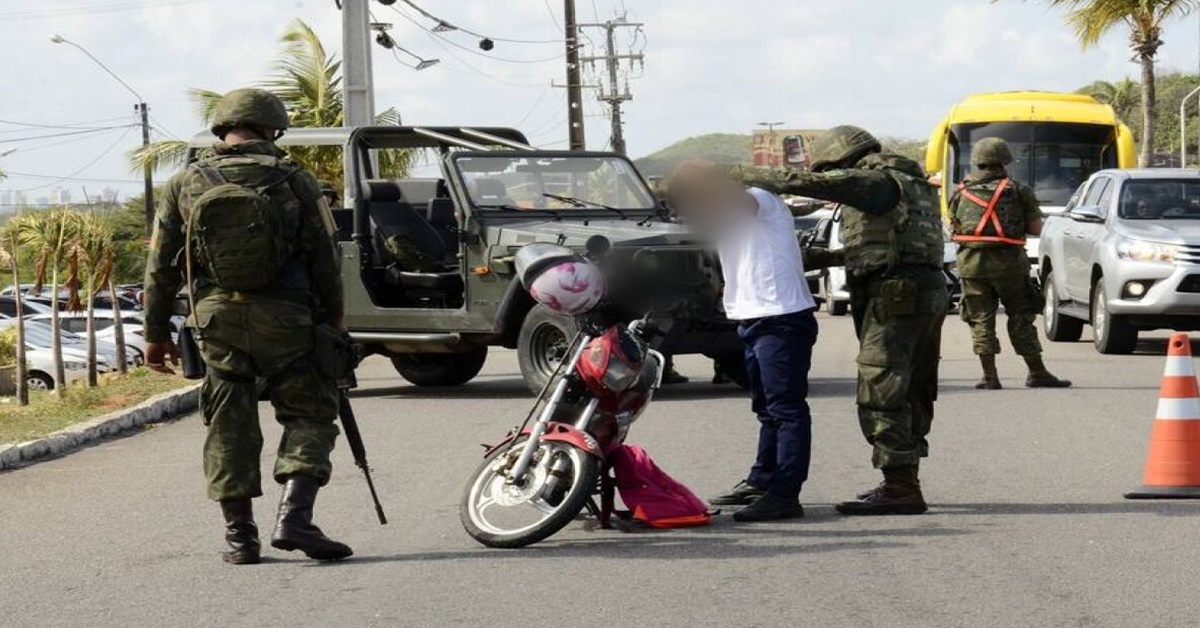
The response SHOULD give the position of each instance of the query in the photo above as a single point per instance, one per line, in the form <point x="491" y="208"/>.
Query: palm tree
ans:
<point x="91" y="254"/>
<point x="9" y="248"/>
<point x="1124" y="96"/>
<point x="1092" y="19"/>
<point x="48" y="235"/>
<point x="308" y="80"/>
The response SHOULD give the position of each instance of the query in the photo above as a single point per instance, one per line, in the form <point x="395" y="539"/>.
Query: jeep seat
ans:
<point x="392" y="216"/>
<point x="440" y="216"/>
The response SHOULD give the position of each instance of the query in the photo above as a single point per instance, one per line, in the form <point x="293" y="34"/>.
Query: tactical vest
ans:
<point x="910" y="234"/>
<point x="988" y="214"/>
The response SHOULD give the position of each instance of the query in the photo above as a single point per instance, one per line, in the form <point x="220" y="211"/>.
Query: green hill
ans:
<point x="726" y="148"/>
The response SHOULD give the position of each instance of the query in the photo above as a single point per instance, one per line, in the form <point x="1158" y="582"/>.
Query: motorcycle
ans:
<point x="548" y="469"/>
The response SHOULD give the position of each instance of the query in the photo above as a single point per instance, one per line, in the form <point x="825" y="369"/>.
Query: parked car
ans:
<point x="39" y="334"/>
<point x="40" y="360"/>
<point x="105" y="322"/>
<point x="8" y="306"/>
<point x="831" y="287"/>
<point x="1123" y="257"/>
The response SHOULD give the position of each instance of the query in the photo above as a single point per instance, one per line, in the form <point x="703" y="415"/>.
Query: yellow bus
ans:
<point x="1058" y="140"/>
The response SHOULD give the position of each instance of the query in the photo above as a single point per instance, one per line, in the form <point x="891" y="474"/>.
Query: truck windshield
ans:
<point x="1053" y="158"/>
<point x="1161" y="199"/>
<point x="569" y="183"/>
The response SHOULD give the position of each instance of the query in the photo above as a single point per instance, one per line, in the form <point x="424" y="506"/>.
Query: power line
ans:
<point x="541" y="96"/>
<point x="65" y="133"/>
<point x="42" y="14"/>
<point x="474" y="70"/>
<point x="443" y="25"/>
<point x="72" y="140"/>
<point x="70" y="125"/>
<point x="55" y="177"/>
<point x="89" y="164"/>
<point x="437" y="34"/>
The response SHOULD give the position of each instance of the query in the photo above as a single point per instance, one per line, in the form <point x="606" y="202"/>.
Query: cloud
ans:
<point x="711" y="65"/>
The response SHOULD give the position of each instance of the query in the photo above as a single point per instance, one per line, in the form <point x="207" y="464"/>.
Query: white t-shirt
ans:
<point x="762" y="264"/>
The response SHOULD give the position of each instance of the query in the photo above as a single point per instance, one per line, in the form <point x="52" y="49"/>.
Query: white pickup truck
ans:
<point x="1124" y="257"/>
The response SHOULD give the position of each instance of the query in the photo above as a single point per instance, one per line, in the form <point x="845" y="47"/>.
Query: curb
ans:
<point x="153" y="410"/>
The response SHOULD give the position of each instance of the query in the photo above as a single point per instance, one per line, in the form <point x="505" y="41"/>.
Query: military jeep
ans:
<point x="427" y="262"/>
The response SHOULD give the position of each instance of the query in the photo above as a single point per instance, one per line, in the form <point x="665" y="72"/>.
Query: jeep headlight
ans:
<point x="1143" y="251"/>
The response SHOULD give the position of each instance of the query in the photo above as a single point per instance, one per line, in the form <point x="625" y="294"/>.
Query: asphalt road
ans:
<point x="1028" y="526"/>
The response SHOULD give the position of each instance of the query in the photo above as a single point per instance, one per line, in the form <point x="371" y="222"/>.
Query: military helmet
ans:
<point x="841" y="146"/>
<point x="991" y="151"/>
<point x="249" y="107"/>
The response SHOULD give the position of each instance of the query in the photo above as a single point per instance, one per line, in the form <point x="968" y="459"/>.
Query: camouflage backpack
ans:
<point x="238" y="233"/>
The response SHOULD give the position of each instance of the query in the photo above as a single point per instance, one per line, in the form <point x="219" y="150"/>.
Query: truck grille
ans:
<point x="1188" y="254"/>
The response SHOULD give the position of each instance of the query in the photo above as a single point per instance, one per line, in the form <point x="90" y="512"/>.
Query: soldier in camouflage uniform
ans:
<point x="893" y="258"/>
<point x="265" y="334"/>
<point x="990" y="216"/>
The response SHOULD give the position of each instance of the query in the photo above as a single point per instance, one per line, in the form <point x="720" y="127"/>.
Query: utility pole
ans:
<point x="613" y="93"/>
<point x="574" y="80"/>
<point x="358" y="92"/>
<point x="147" y="173"/>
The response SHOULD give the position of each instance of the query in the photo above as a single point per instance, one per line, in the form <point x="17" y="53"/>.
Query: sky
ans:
<point x="710" y="66"/>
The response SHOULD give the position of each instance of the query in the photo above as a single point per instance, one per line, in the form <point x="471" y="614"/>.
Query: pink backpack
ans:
<point x="652" y="496"/>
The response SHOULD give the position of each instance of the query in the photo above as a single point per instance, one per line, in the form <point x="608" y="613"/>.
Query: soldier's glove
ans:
<point x="818" y="258"/>
<point x="157" y="354"/>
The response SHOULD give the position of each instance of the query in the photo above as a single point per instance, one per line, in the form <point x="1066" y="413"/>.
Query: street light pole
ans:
<point x="144" y="111"/>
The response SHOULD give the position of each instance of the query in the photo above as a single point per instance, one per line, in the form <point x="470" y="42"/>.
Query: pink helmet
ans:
<point x="571" y="288"/>
<point x="559" y="279"/>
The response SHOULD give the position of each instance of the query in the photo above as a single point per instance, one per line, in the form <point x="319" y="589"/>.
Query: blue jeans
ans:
<point x="778" y="356"/>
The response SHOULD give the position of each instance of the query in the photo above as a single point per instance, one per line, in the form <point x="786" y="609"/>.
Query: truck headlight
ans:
<point x="1143" y="251"/>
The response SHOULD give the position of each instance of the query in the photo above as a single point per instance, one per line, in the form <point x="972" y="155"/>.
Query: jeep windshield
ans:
<point x="553" y="182"/>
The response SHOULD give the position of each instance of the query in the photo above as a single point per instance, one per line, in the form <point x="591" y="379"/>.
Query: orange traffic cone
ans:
<point x="1173" y="462"/>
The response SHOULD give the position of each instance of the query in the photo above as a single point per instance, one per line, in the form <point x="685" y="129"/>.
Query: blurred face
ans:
<point x="705" y="195"/>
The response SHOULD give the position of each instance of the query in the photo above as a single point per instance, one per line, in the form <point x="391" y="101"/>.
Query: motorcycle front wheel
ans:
<point x="500" y="513"/>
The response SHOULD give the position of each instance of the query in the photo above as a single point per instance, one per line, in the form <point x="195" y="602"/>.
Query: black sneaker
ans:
<point x="742" y="495"/>
<point x="770" y="508"/>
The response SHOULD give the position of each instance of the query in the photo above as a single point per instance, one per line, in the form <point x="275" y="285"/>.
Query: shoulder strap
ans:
<point x="211" y="174"/>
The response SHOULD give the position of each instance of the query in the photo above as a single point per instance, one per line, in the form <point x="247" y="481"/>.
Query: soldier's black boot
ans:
<point x="671" y="376"/>
<point x="240" y="532"/>
<point x="294" y="529"/>
<point x="900" y="494"/>
<point x="1040" y="376"/>
<point x="991" y="378"/>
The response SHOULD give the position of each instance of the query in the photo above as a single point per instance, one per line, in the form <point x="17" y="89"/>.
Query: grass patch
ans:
<point x="46" y="413"/>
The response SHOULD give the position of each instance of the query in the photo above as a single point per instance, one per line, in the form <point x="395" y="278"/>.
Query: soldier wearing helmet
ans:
<point x="893" y="258"/>
<point x="990" y="216"/>
<point x="253" y="322"/>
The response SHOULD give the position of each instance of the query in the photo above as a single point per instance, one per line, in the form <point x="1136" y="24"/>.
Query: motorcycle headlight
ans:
<point x="1143" y="251"/>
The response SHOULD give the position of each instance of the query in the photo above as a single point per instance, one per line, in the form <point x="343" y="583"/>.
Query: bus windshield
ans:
<point x="1053" y="158"/>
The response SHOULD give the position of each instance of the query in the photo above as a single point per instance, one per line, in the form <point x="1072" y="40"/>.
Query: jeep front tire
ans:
<point x="440" y="369"/>
<point x="542" y="345"/>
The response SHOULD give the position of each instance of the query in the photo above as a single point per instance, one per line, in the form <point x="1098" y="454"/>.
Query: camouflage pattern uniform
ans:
<point x="893" y="257"/>
<point x="989" y="216"/>
<point x="244" y="336"/>
<point x="996" y="272"/>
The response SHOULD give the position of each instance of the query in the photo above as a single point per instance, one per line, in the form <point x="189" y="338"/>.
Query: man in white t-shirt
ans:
<point x="766" y="293"/>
